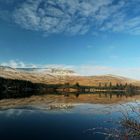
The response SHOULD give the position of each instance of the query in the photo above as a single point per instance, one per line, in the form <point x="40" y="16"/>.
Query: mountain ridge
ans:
<point x="61" y="76"/>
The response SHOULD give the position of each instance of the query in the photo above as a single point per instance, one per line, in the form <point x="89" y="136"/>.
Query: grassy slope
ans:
<point x="57" y="79"/>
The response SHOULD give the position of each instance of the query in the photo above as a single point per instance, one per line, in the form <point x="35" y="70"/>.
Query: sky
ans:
<point x="93" y="37"/>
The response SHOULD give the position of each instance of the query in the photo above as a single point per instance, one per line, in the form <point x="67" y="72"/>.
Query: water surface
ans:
<point x="34" y="119"/>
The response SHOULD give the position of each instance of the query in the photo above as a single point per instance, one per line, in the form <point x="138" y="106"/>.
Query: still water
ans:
<point x="33" y="119"/>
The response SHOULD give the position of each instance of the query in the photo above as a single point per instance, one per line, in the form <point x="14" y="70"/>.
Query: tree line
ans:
<point x="14" y="88"/>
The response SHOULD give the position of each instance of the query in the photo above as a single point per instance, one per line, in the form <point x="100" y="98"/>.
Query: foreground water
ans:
<point x="54" y="117"/>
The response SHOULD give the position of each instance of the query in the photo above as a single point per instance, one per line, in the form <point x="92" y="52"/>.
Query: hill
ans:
<point x="61" y="76"/>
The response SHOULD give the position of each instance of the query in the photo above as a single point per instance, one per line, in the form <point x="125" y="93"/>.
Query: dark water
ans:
<point x="50" y="125"/>
<point x="30" y="123"/>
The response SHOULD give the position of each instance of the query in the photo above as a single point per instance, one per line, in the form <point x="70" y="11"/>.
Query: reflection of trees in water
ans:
<point x="77" y="95"/>
<point x="100" y="95"/>
<point x="117" y="94"/>
<point x="108" y="95"/>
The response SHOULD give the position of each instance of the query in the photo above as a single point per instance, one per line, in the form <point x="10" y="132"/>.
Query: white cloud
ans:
<point x="21" y="64"/>
<point x="17" y="64"/>
<point x="70" y="17"/>
<point x="74" y="17"/>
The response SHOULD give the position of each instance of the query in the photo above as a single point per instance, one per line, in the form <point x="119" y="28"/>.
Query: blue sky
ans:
<point x="90" y="36"/>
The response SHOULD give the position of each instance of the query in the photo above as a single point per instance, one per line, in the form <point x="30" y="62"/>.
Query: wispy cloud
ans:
<point x="18" y="64"/>
<point x="76" y="16"/>
<point x="21" y="64"/>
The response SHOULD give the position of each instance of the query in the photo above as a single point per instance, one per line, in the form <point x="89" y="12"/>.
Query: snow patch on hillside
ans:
<point x="51" y="71"/>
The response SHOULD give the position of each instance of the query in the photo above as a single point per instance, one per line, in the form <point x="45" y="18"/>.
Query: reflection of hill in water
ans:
<point x="45" y="100"/>
<point x="100" y="98"/>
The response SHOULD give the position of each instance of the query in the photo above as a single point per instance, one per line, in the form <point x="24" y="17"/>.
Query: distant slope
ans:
<point x="57" y="76"/>
<point x="103" y="79"/>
